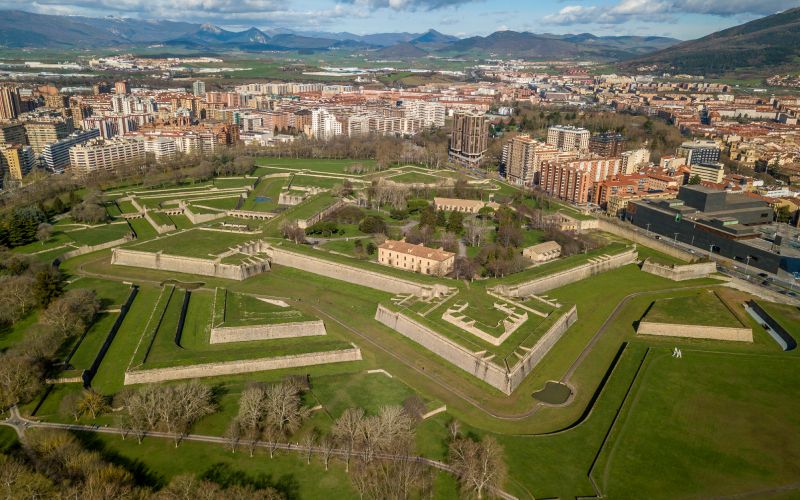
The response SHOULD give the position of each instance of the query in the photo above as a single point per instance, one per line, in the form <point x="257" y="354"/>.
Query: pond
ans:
<point x="553" y="393"/>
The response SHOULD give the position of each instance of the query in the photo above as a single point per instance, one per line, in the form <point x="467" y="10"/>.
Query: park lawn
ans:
<point x="181" y="221"/>
<point x="233" y="182"/>
<point x="327" y="166"/>
<point x="58" y="239"/>
<point x="270" y="190"/>
<point x="142" y="228"/>
<point x="152" y="326"/>
<point x="111" y="373"/>
<point x="415" y="178"/>
<point x="195" y="348"/>
<point x="703" y="308"/>
<point x="787" y="316"/>
<point x="707" y="425"/>
<point x="126" y="207"/>
<point x="157" y="461"/>
<point x="531" y="237"/>
<point x="242" y="310"/>
<point x="658" y="257"/>
<point x="219" y="203"/>
<point x="91" y="342"/>
<point x="11" y="335"/>
<point x="316" y="181"/>
<point x="100" y="234"/>
<point x="194" y="243"/>
<point x="348" y="247"/>
<point x="161" y="218"/>
<point x="311" y="206"/>
<point x="111" y="293"/>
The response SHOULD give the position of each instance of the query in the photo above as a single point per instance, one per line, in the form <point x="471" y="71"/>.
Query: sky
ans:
<point x="683" y="19"/>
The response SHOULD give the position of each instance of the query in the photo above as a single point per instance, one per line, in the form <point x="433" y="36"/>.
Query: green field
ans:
<point x="416" y="178"/>
<point x="194" y="243"/>
<point x="241" y="310"/>
<point x="703" y="308"/>
<point x="326" y="166"/>
<point x="311" y="206"/>
<point x="266" y="188"/>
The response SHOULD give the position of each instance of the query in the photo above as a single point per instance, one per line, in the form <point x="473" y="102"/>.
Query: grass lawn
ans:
<point x="241" y="309"/>
<point x="267" y="189"/>
<point x="314" y="181"/>
<point x="347" y="247"/>
<point x="112" y="294"/>
<point x="312" y="164"/>
<point x="311" y="206"/>
<point x="91" y="342"/>
<point x="10" y="335"/>
<point x="100" y="234"/>
<point x="233" y="182"/>
<point x="707" y="425"/>
<point x="220" y="203"/>
<point x="126" y="207"/>
<point x="702" y="308"/>
<point x="787" y="316"/>
<point x="416" y="178"/>
<point x="143" y="229"/>
<point x="161" y="218"/>
<point x="194" y="243"/>
<point x="57" y="239"/>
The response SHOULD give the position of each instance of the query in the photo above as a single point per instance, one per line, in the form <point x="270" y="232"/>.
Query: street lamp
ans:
<point x="675" y="240"/>
<point x="746" y="265"/>
<point x="648" y="229"/>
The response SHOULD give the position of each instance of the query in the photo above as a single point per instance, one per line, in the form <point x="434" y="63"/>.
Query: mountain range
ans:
<point x="771" y="42"/>
<point x="20" y="29"/>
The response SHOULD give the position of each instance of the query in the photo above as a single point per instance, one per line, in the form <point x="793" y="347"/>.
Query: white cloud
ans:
<point x="658" y="10"/>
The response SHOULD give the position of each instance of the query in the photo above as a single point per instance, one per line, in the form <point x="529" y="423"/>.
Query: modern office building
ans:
<point x="105" y="155"/>
<point x="696" y="152"/>
<point x="199" y="88"/>
<point x="736" y="226"/>
<point x="568" y="138"/>
<point x="607" y="144"/>
<point x="707" y="171"/>
<point x="55" y="156"/>
<point x="469" y="139"/>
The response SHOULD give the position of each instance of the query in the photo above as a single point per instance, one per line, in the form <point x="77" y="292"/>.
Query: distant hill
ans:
<point x="763" y="44"/>
<point x="24" y="29"/>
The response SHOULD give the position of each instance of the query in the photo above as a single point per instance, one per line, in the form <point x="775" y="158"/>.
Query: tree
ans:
<point x="92" y="404"/>
<point x="478" y="465"/>
<point x="182" y="405"/>
<point x="455" y="223"/>
<point x="48" y="285"/>
<point x="16" y="297"/>
<point x="476" y="229"/>
<point x="441" y="218"/>
<point x="372" y="224"/>
<point x="284" y="407"/>
<point x="346" y="430"/>
<point x="309" y="441"/>
<point x="72" y="313"/>
<point x="44" y="232"/>
<point x="20" y="379"/>
<point x="695" y="179"/>
<point x="464" y="268"/>
<point x="233" y="434"/>
<point x="327" y="444"/>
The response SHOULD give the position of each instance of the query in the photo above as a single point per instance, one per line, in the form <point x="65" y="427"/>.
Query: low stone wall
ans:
<point x="224" y="334"/>
<point x="243" y="366"/>
<point x="549" y="282"/>
<point x="353" y="274"/>
<point x="696" y="331"/>
<point x="532" y="358"/>
<point x="245" y="214"/>
<point x="788" y="339"/>
<point x="188" y="265"/>
<point x="639" y="236"/>
<point x="680" y="272"/>
<point x="94" y="248"/>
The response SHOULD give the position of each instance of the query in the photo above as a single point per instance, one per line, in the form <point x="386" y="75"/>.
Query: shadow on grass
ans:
<point x="225" y="476"/>
<point x="141" y="473"/>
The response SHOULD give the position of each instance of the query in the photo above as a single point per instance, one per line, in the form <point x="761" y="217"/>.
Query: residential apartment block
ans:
<point x="568" y="138"/>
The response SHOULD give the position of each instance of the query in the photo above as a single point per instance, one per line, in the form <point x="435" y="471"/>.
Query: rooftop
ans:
<point x="418" y="250"/>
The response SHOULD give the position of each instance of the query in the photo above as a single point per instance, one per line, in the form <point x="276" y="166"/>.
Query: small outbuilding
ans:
<point x="542" y="252"/>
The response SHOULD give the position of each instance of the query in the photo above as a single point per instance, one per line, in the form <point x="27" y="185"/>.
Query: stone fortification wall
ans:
<point x="93" y="248"/>
<point x="245" y="214"/>
<point x="353" y="274"/>
<point x="201" y="218"/>
<point x="680" y="272"/>
<point x="224" y="334"/>
<point x="445" y="348"/>
<point x="304" y="223"/>
<point x="696" y="331"/>
<point x="189" y="265"/>
<point x="556" y="280"/>
<point x="160" y="228"/>
<point x="532" y="358"/>
<point x="639" y="237"/>
<point x="242" y="366"/>
<point x="501" y="378"/>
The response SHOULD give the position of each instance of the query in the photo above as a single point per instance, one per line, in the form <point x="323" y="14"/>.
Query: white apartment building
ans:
<point x="160" y="147"/>
<point x="568" y="138"/>
<point x="324" y="124"/>
<point x="108" y="155"/>
<point x="430" y="113"/>
<point x="633" y="160"/>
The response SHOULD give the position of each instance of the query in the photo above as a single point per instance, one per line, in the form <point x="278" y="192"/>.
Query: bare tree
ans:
<point x="92" y="403"/>
<point x="44" y="232"/>
<point x="328" y="446"/>
<point x="308" y="442"/>
<point x="16" y="297"/>
<point x="233" y="434"/>
<point x="346" y="430"/>
<point x="284" y="407"/>
<point x="478" y="465"/>
<point x="20" y="379"/>
<point x="71" y="313"/>
<point x="252" y="411"/>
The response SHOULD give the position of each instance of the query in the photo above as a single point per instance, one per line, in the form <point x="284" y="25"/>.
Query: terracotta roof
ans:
<point x="418" y="250"/>
<point x="547" y="246"/>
